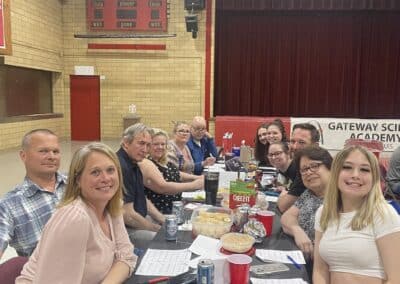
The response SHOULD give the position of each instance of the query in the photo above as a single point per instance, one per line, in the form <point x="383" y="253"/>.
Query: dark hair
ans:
<point x="278" y="123"/>
<point x="284" y="145"/>
<point x="261" y="150"/>
<point x="316" y="153"/>
<point x="315" y="136"/>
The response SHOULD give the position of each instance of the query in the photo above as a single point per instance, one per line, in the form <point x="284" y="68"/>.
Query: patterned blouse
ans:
<point x="308" y="203"/>
<point x="163" y="202"/>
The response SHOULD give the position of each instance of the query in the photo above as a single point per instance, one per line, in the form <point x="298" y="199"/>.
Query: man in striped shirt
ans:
<point x="25" y="210"/>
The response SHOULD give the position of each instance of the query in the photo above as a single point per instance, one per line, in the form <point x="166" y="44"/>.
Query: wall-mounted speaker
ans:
<point x="195" y="4"/>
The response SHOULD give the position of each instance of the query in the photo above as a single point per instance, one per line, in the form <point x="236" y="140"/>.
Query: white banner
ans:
<point x="335" y="131"/>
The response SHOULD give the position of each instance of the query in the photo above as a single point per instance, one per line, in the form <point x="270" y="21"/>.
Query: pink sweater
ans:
<point x="74" y="249"/>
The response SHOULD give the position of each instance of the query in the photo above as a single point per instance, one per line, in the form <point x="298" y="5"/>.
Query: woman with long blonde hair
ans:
<point x="85" y="241"/>
<point x="357" y="233"/>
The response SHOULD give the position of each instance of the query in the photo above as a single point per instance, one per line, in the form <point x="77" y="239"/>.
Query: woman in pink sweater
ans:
<point x="85" y="241"/>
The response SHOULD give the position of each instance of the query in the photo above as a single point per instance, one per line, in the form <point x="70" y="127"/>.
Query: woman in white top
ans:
<point x="85" y="241"/>
<point x="357" y="233"/>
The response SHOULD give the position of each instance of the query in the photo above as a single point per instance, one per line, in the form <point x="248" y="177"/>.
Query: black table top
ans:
<point x="278" y="240"/>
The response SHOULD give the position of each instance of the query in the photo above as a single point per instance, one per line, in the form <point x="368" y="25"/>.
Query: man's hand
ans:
<point x="208" y="162"/>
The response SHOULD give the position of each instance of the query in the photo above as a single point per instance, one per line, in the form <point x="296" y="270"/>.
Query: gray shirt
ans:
<point x="393" y="174"/>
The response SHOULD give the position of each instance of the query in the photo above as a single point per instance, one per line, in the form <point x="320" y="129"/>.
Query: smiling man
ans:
<point x="142" y="218"/>
<point x="26" y="209"/>
<point x="303" y="135"/>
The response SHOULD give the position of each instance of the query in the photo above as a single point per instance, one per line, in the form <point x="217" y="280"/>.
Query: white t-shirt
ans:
<point x="345" y="250"/>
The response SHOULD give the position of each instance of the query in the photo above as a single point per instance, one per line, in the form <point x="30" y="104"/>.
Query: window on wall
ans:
<point x="24" y="91"/>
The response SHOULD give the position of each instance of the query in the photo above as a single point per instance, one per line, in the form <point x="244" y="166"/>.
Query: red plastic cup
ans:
<point x="267" y="219"/>
<point x="239" y="268"/>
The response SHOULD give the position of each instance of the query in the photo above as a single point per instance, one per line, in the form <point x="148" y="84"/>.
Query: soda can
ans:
<point x="177" y="209"/>
<point x="171" y="227"/>
<point x="205" y="272"/>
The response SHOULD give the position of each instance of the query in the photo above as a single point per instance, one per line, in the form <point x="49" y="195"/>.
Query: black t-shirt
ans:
<point x="296" y="187"/>
<point x="133" y="182"/>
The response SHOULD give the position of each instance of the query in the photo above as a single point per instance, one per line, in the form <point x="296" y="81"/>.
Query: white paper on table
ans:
<point x="281" y="255"/>
<point x="204" y="245"/>
<point x="159" y="262"/>
<point x="199" y="194"/>
<point x="277" y="281"/>
<point x="192" y="206"/>
<point x="271" y="198"/>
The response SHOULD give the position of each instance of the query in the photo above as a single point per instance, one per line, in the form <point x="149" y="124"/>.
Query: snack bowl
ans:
<point x="211" y="221"/>
<point x="237" y="242"/>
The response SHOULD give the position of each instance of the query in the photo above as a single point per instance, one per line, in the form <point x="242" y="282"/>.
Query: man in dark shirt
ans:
<point x="138" y="209"/>
<point x="303" y="134"/>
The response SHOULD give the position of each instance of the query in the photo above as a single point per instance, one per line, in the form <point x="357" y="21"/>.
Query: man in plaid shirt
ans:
<point x="25" y="210"/>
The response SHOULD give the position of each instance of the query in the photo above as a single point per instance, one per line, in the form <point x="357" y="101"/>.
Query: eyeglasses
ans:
<point x="183" y="131"/>
<point x="276" y="154"/>
<point x="313" y="167"/>
<point x="199" y="129"/>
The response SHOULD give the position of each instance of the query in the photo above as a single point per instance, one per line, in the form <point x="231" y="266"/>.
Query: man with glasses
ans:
<point x="201" y="145"/>
<point x="303" y="134"/>
<point x="142" y="218"/>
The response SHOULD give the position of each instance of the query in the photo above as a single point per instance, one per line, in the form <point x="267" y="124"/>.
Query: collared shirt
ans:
<point x="200" y="153"/>
<point x="133" y="183"/>
<point x="24" y="211"/>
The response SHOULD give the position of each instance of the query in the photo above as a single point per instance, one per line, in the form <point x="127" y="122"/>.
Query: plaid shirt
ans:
<point x="23" y="213"/>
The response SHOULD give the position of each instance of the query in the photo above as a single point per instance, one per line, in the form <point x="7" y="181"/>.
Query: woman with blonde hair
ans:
<point x="179" y="153"/>
<point x="85" y="241"/>
<point x="357" y="233"/>
<point x="163" y="181"/>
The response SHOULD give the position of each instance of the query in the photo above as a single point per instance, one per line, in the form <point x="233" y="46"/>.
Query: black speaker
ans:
<point x="195" y="4"/>
<point x="192" y="24"/>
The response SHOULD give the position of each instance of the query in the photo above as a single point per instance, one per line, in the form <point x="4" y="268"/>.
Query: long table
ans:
<point x="278" y="240"/>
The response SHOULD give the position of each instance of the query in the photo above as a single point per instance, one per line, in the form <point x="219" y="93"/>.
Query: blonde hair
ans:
<point x="159" y="132"/>
<point x="373" y="201"/>
<point x="78" y="163"/>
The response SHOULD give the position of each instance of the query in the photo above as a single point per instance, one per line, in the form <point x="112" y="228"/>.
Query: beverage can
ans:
<point x="205" y="272"/>
<point x="171" y="227"/>
<point x="177" y="209"/>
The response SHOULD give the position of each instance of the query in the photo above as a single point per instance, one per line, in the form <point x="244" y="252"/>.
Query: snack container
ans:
<point x="211" y="221"/>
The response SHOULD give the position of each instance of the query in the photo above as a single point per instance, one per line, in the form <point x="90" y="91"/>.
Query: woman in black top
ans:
<point x="165" y="185"/>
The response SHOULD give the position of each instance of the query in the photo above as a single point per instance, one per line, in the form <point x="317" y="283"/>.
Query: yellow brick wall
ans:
<point x="164" y="85"/>
<point x="36" y="29"/>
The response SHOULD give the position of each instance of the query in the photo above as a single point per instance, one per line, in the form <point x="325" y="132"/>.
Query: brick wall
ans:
<point x="165" y="85"/>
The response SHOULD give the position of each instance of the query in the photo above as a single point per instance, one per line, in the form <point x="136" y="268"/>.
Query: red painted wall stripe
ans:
<point x="127" y="46"/>
<point x="208" y="66"/>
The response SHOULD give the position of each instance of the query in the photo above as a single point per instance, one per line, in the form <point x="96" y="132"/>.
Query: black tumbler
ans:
<point x="211" y="187"/>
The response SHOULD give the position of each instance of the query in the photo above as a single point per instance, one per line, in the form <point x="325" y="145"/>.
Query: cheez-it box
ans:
<point x="242" y="192"/>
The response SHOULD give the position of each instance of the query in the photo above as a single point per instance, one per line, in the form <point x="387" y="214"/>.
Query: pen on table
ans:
<point x="298" y="266"/>
<point x="157" y="280"/>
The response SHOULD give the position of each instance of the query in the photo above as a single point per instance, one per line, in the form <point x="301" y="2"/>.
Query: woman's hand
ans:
<point x="303" y="242"/>
<point x="199" y="183"/>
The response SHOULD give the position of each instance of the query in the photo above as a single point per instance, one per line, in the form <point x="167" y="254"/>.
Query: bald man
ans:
<point x="201" y="145"/>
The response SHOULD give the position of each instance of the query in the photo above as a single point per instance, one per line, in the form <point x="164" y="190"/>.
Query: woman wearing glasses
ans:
<point x="179" y="153"/>
<point x="266" y="134"/>
<point x="163" y="181"/>
<point x="357" y="233"/>
<point x="279" y="157"/>
<point x="298" y="221"/>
